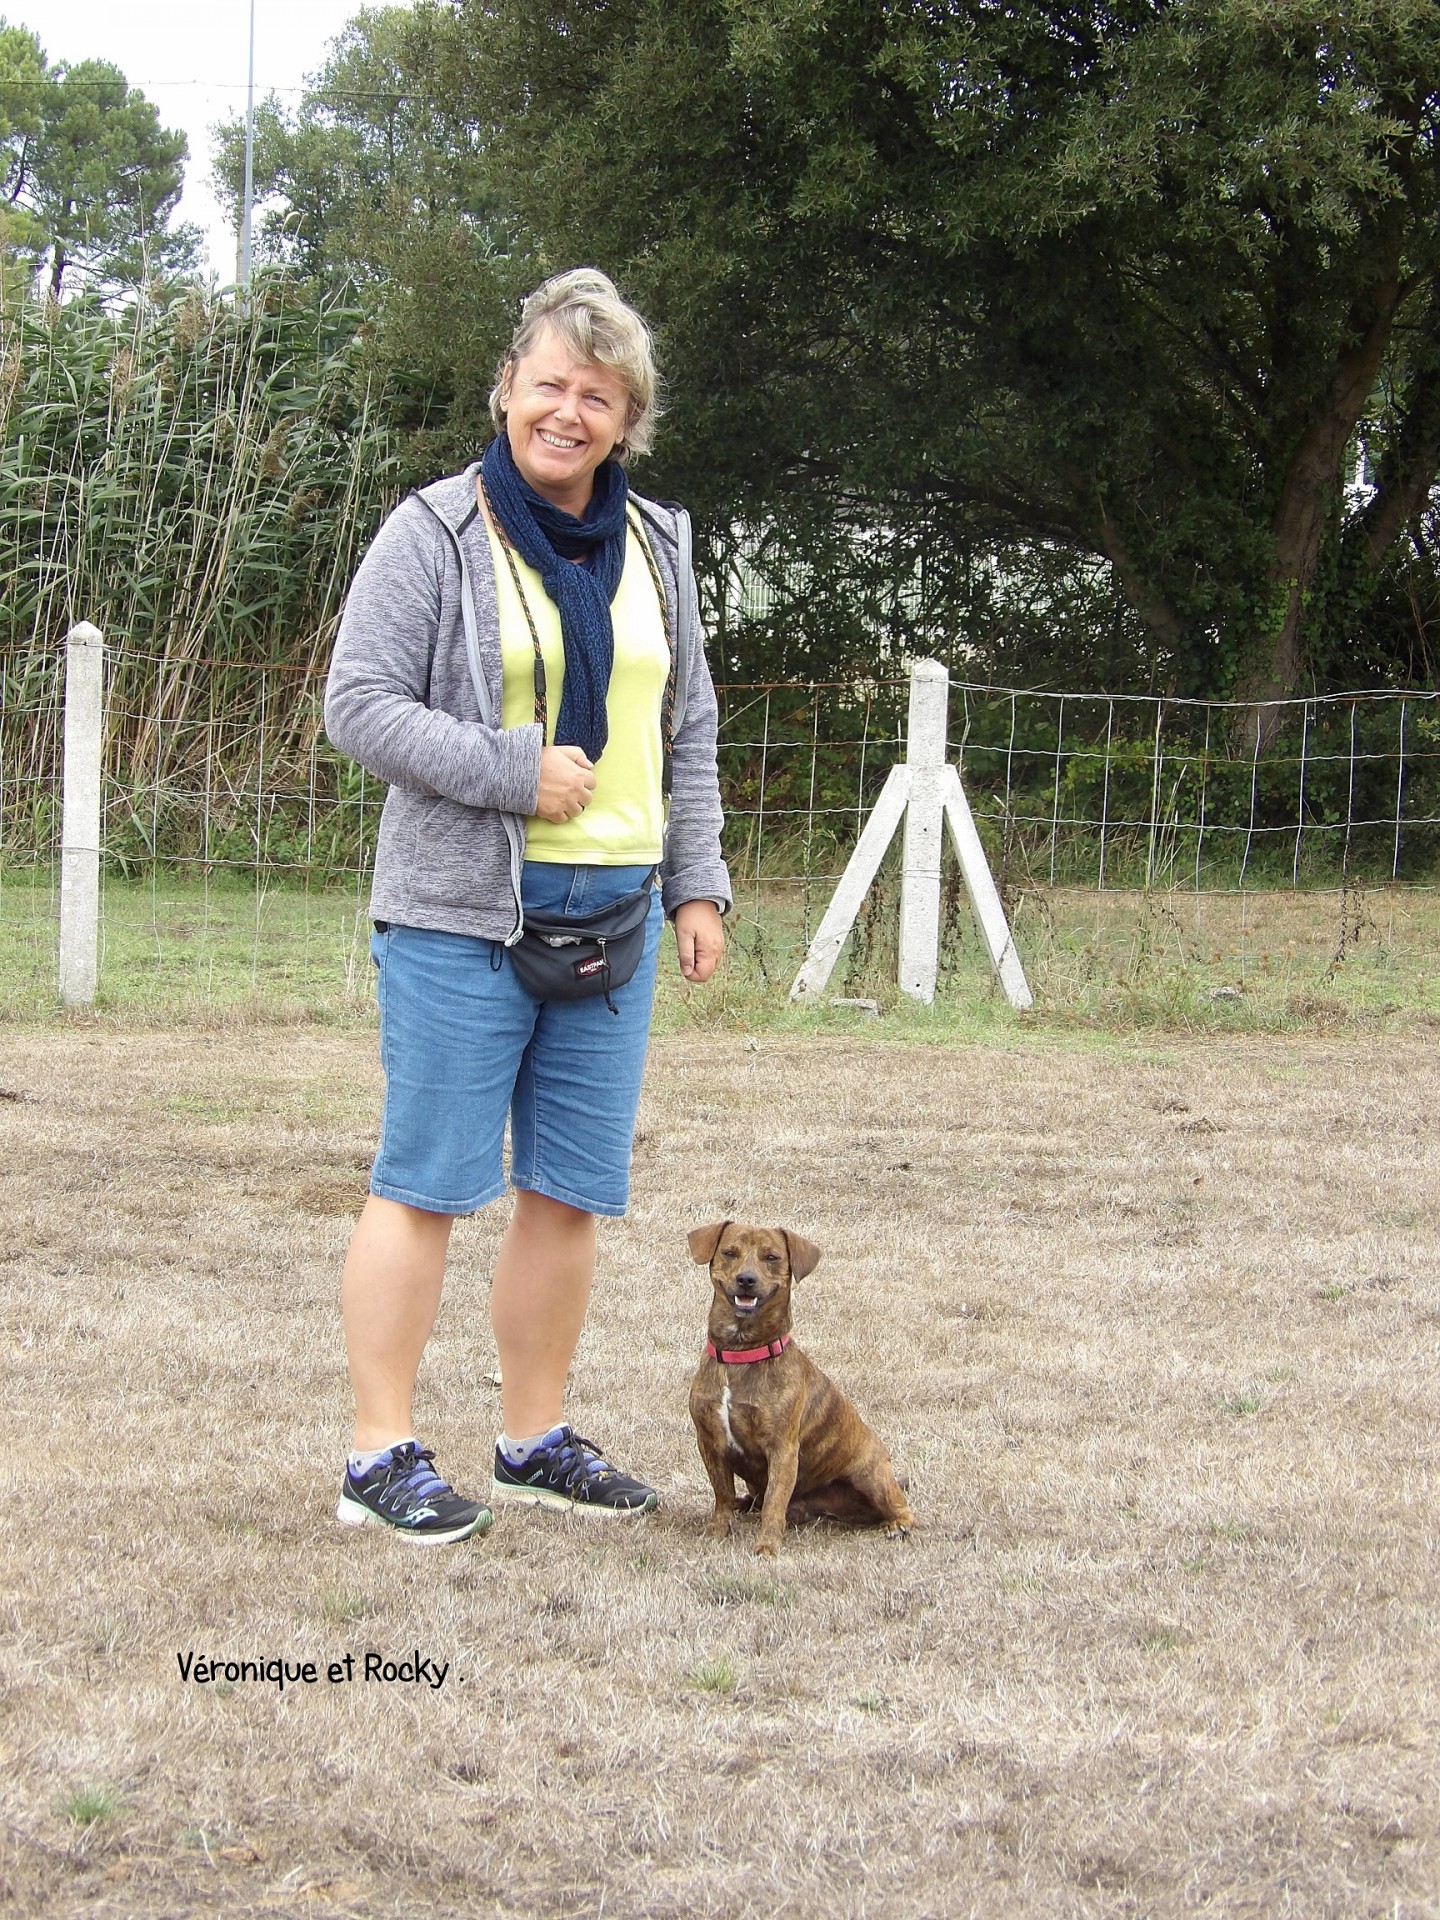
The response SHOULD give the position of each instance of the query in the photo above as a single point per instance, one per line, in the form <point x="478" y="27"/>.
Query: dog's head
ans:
<point x="752" y="1268"/>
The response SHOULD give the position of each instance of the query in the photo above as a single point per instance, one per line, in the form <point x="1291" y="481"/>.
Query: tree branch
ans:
<point x="1411" y="462"/>
<point x="1313" y="472"/>
<point x="1148" y="602"/>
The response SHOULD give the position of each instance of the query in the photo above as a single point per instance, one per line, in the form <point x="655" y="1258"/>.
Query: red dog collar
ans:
<point x="746" y="1354"/>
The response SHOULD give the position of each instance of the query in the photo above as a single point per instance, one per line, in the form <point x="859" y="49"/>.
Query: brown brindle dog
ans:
<point x="762" y="1410"/>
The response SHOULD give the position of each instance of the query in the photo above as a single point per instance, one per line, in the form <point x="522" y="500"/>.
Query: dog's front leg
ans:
<point x="712" y="1437"/>
<point x="722" y="1481"/>
<point x="784" y="1467"/>
<point x="722" y="1520"/>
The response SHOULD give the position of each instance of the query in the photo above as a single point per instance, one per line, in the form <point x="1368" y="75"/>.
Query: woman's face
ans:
<point x="563" y="417"/>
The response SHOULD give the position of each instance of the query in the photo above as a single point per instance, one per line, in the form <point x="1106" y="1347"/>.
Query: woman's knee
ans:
<point x="541" y="1213"/>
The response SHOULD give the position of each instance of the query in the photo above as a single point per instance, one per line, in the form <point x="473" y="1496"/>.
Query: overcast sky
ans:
<point x="191" y="58"/>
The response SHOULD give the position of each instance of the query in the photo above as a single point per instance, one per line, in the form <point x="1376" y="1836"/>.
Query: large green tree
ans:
<point x="90" y="177"/>
<point x="1133" y="281"/>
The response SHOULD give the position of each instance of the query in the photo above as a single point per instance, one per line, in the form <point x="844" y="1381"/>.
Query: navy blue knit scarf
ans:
<point x="551" y="540"/>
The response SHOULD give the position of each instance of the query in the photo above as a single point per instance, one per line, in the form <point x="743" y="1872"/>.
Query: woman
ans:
<point x="520" y="658"/>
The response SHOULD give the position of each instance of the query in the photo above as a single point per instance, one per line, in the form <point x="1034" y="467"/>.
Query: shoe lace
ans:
<point x="413" y="1478"/>
<point x="581" y="1461"/>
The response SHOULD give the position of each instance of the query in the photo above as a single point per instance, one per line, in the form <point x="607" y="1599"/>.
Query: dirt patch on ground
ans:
<point x="1154" y="1329"/>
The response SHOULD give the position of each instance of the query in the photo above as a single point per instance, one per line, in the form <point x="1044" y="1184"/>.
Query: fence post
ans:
<point x="920" y="862"/>
<point x="80" y="820"/>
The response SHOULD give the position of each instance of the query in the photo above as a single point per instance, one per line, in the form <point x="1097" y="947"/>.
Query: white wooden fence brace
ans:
<point x="80" y="817"/>
<point x="924" y="791"/>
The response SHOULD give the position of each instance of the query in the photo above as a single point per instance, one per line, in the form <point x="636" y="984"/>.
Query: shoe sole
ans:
<point x="351" y="1514"/>
<point x="562" y="1503"/>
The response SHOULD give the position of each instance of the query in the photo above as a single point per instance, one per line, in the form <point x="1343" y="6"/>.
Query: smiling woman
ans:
<point x="521" y="659"/>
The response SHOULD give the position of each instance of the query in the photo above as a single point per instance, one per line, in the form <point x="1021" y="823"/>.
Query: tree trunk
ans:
<point x="1306" y="505"/>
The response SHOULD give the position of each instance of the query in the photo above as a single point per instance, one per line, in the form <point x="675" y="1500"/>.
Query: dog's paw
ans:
<point x="719" y="1526"/>
<point x="899" y="1531"/>
<point x="769" y="1548"/>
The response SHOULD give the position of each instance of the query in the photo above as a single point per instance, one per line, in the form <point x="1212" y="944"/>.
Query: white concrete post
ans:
<point x="80" y="820"/>
<point x="920" y="871"/>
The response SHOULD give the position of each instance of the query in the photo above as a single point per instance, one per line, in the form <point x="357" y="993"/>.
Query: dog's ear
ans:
<point x="804" y="1254"/>
<point x="704" y="1241"/>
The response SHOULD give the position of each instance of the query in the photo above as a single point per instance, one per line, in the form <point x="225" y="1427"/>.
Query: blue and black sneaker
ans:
<point x="570" y="1473"/>
<point x="401" y="1489"/>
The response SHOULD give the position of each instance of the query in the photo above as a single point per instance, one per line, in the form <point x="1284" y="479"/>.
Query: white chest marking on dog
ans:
<point x="725" y="1417"/>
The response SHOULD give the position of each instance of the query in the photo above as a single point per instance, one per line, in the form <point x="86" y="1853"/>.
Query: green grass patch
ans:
<point x="180" y="946"/>
<point x="871" y="1702"/>
<point x="91" y="1806"/>
<point x="177" y="946"/>
<point x="716" y="1675"/>
<point x="340" y="1607"/>
<point x="1163" y="1641"/>
<point x="1240" y="1406"/>
<point x="760" y="1590"/>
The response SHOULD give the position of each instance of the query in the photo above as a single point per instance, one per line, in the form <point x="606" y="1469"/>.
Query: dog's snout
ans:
<point x="748" y="1279"/>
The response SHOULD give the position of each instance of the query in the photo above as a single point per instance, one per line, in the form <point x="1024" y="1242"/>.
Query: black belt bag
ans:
<point x="557" y="959"/>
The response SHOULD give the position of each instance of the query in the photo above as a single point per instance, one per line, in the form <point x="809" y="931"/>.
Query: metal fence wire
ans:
<point x="228" y="768"/>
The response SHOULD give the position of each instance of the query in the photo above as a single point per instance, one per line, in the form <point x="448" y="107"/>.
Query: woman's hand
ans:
<point x="567" y="780"/>
<point x="700" y="937"/>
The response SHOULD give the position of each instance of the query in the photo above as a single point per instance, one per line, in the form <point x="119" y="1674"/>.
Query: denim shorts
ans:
<point x="464" y="1048"/>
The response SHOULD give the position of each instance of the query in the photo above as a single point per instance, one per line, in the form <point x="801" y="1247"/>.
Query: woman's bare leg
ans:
<point x="543" y="1276"/>
<point x="389" y="1297"/>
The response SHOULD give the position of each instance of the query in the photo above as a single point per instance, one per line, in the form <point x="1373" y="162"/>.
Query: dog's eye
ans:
<point x="772" y="1259"/>
<point x="731" y="1253"/>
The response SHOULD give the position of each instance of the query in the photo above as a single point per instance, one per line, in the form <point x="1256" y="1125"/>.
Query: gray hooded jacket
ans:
<point x="414" y="694"/>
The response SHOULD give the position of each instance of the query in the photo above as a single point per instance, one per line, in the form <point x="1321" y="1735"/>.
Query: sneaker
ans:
<point x="572" y="1473"/>
<point x="403" y="1490"/>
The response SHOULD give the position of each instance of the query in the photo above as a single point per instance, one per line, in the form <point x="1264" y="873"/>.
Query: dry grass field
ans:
<point x="1155" y="1323"/>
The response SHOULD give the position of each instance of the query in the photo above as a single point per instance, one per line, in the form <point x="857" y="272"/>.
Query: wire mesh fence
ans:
<point x="220" y="770"/>
<point x="1103" y="790"/>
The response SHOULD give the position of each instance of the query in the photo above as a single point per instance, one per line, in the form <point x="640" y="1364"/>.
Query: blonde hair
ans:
<point x="596" y="325"/>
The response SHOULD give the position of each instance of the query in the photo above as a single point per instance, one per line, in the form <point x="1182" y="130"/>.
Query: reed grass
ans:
<point x="196" y="478"/>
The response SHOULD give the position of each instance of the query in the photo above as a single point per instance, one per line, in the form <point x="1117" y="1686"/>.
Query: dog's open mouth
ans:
<point x="746" y="1296"/>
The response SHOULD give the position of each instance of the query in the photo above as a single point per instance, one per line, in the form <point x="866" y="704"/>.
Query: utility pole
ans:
<point x="249" y="206"/>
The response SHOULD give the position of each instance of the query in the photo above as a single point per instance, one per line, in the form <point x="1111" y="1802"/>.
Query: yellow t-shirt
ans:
<point x="623" y="826"/>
